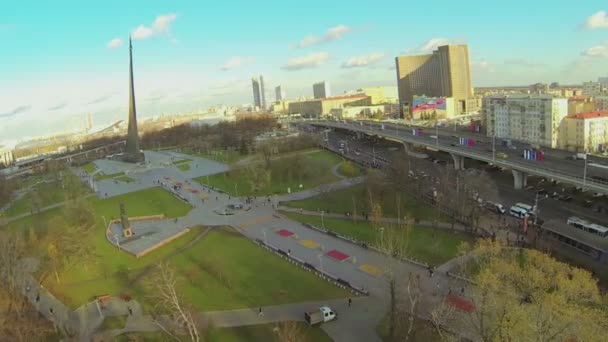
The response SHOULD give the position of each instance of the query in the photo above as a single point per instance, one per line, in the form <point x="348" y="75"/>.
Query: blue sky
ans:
<point x="62" y="59"/>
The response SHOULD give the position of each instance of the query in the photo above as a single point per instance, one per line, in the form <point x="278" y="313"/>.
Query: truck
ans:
<point x="322" y="315"/>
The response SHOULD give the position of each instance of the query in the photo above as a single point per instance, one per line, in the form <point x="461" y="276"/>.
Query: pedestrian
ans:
<point x="130" y="310"/>
<point x="462" y="291"/>
<point x="37" y="297"/>
<point x="260" y="312"/>
<point x="350" y="301"/>
<point x="51" y="310"/>
<point x="289" y="252"/>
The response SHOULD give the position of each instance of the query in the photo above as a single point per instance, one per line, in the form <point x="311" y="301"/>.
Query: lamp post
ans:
<point x="320" y="256"/>
<point x="585" y="173"/>
<point x="322" y="221"/>
<point x="236" y="192"/>
<point x="264" y="233"/>
<point x="381" y="234"/>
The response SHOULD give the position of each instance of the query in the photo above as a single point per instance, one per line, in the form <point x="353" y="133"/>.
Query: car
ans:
<point x="441" y="162"/>
<point x="502" y="155"/>
<point x="529" y="187"/>
<point x="542" y="192"/>
<point x="433" y="136"/>
<point x="564" y="198"/>
<point x="453" y="145"/>
<point x="587" y="203"/>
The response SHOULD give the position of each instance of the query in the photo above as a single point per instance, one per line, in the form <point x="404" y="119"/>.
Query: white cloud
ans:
<point x="597" y="51"/>
<point x="237" y="62"/>
<point x="362" y="61"/>
<point x="306" y="62"/>
<point x="523" y="63"/>
<point x="161" y="25"/>
<point x="114" y="43"/>
<point x="597" y="20"/>
<point x="333" y="33"/>
<point x="483" y="65"/>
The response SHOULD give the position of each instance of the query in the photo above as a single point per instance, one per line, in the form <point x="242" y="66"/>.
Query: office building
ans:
<point x="601" y="102"/>
<point x="279" y="93"/>
<point x="592" y="88"/>
<point x="581" y="104"/>
<point x="603" y="81"/>
<point x="259" y="95"/>
<point x="321" y="90"/>
<point x="534" y="119"/>
<point x="6" y="157"/>
<point x="585" y="132"/>
<point x="444" y="73"/>
<point x="324" y="106"/>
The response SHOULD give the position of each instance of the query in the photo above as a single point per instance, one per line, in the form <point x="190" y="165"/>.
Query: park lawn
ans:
<point x="182" y="161"/>
<point x="183" y="167"/>
<point x="349" y="169"/>
<point x="47" y="194"/>
<point x="341" y="201"/>
<point x="319" y="163"/>
<point x="433" y="246"/>
<point x="261" y="332"/>
<point x="110" y="270"/>
<point x="90" y="168"/>
<point x="113" y="322"/>
<point x="224" y="270"/>
<point x="101" y="175"/>
<point x="125" y="179"/>
<point x="222" y="156"/>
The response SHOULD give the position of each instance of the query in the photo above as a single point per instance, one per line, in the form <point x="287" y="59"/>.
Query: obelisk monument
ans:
<point x="132" y="153"/>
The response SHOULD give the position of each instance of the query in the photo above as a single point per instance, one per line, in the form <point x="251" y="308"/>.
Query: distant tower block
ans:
<point x="124" y="219"/>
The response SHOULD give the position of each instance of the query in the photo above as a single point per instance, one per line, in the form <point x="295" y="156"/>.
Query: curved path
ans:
<point x="260" y="222"/>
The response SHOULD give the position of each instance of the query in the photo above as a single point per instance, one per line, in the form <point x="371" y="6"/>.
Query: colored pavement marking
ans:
<point x="337" y="255"/>
<point x="284" y="232"/>
<point x="203" y="195"/>
<point x="371" y="270"/>
<point x="460" y="303"/>
<point x="194" y="191"/>
<point x="309" y="244"/>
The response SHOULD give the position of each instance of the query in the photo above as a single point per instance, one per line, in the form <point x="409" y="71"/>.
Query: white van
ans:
<point x="518" y="212"/>
<point x="527" y="208"/>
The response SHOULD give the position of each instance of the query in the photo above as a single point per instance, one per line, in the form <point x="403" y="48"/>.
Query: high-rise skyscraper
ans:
<point x="321" y="90"/>
<point x="444" y="73"/>
<point x="257" y="99"/>
<point x="279" y="93"/>
<point x="259" y="96"/>
<point x="132" y="153"/>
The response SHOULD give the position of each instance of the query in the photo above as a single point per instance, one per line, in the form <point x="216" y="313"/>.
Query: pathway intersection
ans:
<point x="258" y="220"/>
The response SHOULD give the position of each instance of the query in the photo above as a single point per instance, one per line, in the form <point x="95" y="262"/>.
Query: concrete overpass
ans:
<point x="557" y="168"/>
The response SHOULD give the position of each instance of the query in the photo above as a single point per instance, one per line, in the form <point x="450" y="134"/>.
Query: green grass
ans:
<point x="85" y="280"/>
<point x="183" y="167"/>
<point x="125" y="179"/>
<point x="310" y="170"/>
<point x="101" y="175"/>
<point x="45" y="194"/>
<point x="90" y="168"/>
<point x="182" y="161"/>
<point x="227" y="271"/>
<point x="222" y="156"/>
<point x="113" y="322"/>
<point x="433" y="246"/>
<point x="262" y="332"/>
<point x="349" y="169"/>
<point x="341" y="201"/>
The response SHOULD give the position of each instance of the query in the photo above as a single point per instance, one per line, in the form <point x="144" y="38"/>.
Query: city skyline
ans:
<point x="57" y="68"/>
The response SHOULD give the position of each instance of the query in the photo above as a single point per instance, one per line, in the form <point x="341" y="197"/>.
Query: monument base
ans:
<point x="134" y="158"/>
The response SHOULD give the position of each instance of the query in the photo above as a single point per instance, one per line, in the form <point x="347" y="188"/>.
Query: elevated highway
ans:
<point x="552" y="167"/>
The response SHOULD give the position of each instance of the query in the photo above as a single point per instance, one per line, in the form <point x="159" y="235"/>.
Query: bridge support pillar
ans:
<point x="520" y="179"/>
<point x="458" y="161"/>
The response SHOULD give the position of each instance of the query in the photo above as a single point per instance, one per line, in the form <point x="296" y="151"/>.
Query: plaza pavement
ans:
<point x="260" y="222"/>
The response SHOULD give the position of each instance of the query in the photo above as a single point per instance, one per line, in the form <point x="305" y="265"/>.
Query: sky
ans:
<point x="61" y="60"/>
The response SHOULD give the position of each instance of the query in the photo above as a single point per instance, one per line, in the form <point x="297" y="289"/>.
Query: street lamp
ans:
<point x="322" y="221"/>
<point x="264" y="233"/>
<point x="320" y="256"/>
<point x="585" y="173"/>
<point x="236" y="192"/>
<point x="381" y="234"/>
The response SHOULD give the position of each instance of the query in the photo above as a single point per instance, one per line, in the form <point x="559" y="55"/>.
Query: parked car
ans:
<point x="564" y="198"/>
<point x="322" y="315"/>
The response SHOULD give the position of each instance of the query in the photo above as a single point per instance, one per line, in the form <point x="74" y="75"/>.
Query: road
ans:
<point x="366" y="152"/>
<point x="554" y="166"/>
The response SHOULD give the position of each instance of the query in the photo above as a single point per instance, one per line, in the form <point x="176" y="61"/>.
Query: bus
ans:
<point x="518" y="212"/>
<point x="589" y="227"/>
<point x="527" y="208"/>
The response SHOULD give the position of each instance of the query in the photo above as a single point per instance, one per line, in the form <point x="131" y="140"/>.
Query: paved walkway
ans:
<point x="47" y="208"/>
<point x="261" y="222"/>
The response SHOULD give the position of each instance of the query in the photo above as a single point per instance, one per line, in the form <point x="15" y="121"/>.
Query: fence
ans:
<point x="311" y="268"/>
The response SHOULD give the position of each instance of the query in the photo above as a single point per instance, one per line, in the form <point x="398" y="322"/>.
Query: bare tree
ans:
<point x="171" y="314"/>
